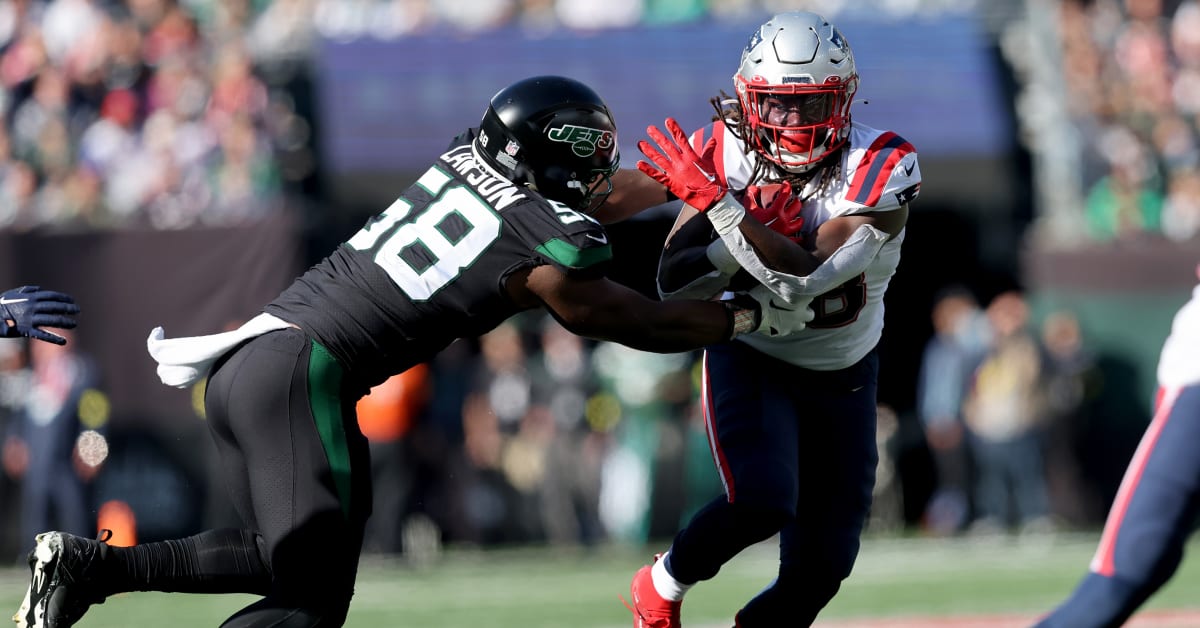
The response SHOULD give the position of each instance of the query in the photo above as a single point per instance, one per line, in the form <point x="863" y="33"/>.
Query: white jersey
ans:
<point x="1178" y="365"/>
<point x="879" y="173"/>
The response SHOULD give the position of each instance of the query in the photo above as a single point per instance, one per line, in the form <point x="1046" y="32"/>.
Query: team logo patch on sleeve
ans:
<point x="908" y="194"/>
<point x="583" y="140"/>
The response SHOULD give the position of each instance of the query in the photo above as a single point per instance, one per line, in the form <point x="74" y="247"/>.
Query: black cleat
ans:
<point x="63" y="584"/>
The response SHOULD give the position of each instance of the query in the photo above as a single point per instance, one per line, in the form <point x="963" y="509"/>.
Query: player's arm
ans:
<point x="684" y="268"/>
<point x="605" y="310"/>
<point x="633" y="192"/>
<point x="782" y="254"/>
<point x="843" y="248"/>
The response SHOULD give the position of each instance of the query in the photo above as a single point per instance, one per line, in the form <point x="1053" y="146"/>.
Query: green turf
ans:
<point x="536" y="588"/>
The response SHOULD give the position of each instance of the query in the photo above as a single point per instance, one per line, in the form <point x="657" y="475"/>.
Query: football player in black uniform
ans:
<point x="499" y="224"/>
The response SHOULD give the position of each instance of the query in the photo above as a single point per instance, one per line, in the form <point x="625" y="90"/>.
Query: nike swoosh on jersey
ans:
<point x="4" y="301"/>
<point x="601" y="239"/>
<point x="909" y="168"/>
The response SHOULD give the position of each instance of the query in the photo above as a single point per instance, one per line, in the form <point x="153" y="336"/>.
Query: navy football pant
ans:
<point x="1149" y="521"/>
<point x="796" y="452"/>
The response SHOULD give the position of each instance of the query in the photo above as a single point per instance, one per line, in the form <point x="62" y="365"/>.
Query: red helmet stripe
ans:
<point x="875" y="168"/>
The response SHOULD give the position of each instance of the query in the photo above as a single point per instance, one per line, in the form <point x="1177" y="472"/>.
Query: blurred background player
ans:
<point x="496" y="226"/>
<point x="791" y="418"/>
<point x="46" y="447"/>
<point x="1155" y="508"/>
<point x="948" y="363"/>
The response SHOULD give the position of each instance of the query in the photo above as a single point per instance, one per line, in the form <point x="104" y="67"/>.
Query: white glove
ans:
<point x="779" y="318"/>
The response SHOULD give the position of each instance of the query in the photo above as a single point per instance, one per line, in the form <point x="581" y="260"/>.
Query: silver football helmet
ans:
<point x="795" y="83"/>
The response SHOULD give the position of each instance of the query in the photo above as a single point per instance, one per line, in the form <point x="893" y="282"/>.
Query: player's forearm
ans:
<point x="667" y="327"/>
<point x="684" y="271"/>
<point x="852" y="258"/>
<point x="682" y="326"/>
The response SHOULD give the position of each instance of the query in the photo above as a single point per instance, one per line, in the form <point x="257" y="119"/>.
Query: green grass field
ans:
<point x="545" y="588"/>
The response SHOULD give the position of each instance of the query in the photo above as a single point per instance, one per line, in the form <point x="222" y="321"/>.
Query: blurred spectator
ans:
<point x="244" y="180"/>
<point x="1071" y="383"/>
<point x="1004" y="412"/>
<point x="114" y="135"/>
<point x="1181" y="209"/>
<point x="437" y="459"/>
<point x="53" y="445"/>
<point x="1128" y="200"/>
<point x="641" y="482"/>
<point x="285" y="31"/>
<point x="960" y="337"/>
<point x="887" y="496"/>
<point x="66" y="26"/>
<point x="469" y="17"/>
<point x="14" y="381"/>
<point x="586" y="15"/>
<point x="492" y="414"/>
<point x="18" y="194"/>
<point x="569" y="493"/>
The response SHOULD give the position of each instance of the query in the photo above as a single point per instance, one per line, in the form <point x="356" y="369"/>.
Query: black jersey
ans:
<point x="431" y="268"/>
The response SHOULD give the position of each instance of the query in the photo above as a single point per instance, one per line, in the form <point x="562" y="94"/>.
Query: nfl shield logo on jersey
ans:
<point x="512" y="148"/>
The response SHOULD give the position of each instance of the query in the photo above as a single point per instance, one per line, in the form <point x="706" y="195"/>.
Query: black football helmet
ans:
<point x="552" y="134"/>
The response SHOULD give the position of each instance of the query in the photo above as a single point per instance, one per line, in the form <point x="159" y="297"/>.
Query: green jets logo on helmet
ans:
<point x="583" y="140"/>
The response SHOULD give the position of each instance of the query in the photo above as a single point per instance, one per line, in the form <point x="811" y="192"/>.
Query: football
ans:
<point x="766" y="195"/>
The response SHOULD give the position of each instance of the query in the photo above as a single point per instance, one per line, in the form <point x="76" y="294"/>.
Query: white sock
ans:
<point x="666" y="584"/>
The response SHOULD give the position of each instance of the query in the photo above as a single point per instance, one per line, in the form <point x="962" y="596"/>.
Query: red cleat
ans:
<point x="650" y="610"/>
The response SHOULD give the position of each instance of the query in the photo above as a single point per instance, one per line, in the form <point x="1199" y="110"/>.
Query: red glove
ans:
<point x="773" y="206"/>
<point x="687" y="175"/>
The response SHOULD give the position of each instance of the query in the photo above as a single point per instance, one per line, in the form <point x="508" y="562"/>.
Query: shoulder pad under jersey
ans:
<point x="567" y="239"/>
<point x="882" y="170"/>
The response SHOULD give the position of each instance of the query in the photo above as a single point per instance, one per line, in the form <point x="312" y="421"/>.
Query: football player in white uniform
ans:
<point x="1155" y="507"/>
<point x="791" y="419"/>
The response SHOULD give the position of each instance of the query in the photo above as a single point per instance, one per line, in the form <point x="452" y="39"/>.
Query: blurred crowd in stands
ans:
<point x="174" y="113"/>
<point x="1132" y="72"/>
<point x="170" y="114"/>
<point x="147" y="113"/>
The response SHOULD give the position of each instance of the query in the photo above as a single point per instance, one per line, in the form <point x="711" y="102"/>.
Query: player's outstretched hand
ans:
<point x="26" y="310"/>
<point x="689" y="176"/>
